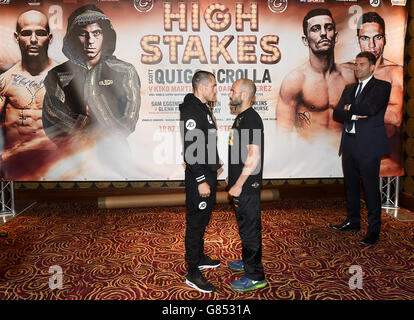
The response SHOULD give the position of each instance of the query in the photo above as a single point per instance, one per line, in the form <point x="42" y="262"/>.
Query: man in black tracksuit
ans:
<point x="199" y="134"/>
<point x="94" y="97"/>
<point x="246" y="150"/>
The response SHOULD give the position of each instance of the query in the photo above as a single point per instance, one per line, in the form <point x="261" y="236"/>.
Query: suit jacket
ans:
<point x="370" y="133"/>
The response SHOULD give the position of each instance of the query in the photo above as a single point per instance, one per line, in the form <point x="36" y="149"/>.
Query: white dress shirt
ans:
<point x="354" y="116"/>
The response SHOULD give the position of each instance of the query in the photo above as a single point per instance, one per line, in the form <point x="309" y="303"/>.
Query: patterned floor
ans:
<point x="139" y="254"/>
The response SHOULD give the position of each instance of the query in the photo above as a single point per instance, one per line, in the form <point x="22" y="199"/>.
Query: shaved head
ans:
<point x="248" y="86"/>
<point x="33" y="36"/>
<point x="242" y="95"/>
<point x="32" y="17"/>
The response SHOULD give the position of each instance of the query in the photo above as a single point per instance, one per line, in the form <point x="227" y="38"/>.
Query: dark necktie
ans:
<point x="349" y="124"/>
<point x="358" y="94"/>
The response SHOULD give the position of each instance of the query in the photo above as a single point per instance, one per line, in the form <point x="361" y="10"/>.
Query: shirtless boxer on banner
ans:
<point x="26" y="147"/>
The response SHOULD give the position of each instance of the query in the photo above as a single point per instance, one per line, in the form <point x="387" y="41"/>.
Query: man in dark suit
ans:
<point x="364" y="141"/>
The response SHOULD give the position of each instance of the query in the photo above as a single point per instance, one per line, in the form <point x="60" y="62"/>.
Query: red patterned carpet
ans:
<point x="139" y="254"/>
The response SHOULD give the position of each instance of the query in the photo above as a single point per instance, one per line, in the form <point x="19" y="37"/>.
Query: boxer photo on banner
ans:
<point x="92" y="91"/>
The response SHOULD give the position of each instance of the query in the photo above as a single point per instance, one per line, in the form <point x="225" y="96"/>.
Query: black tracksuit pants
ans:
<point x="248" y="215"/>
<point x="197" y="218"/>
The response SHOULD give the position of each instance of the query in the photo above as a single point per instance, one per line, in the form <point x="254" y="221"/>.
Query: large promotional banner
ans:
<point x="90" y="90"/>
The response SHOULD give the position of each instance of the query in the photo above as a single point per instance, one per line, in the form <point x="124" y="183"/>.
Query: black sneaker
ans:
<point x="198" y="282"/>
<point x="208" y="263"/>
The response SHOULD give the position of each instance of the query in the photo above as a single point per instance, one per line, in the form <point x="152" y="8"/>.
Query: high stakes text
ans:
<point x="218" y="18"/>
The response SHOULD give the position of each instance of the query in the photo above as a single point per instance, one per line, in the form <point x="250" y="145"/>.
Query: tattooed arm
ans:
<point x="2" y="96"/>
<point x="3" y="99"/>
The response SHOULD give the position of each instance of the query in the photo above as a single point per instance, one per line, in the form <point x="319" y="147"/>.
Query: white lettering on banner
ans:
<point x="56" y="17"/>
<point x="399" y="2"/>
<point x="356" y="12"/>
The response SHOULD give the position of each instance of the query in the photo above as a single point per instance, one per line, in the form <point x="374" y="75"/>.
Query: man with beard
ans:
<point x="371" y="38"/>
<point x="246" y="149"/>
<point x="27" y="150"/>
<point x="94" y="98"/>
<point x="307" y="95"/>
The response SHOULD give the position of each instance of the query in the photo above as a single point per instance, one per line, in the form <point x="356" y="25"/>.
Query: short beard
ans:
<point x="235" y="103"/>
<point x="324" y="52"/>
<point x="42" y="54"/>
